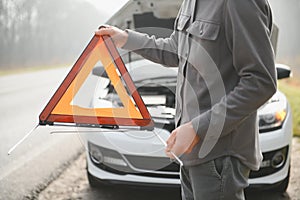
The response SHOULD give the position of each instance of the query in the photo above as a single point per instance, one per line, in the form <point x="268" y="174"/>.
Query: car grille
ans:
<point x="138" y="165"/>
<point x="153" y="174"/>
<point x="153" y="166"/>
<point x="152" y="163"/>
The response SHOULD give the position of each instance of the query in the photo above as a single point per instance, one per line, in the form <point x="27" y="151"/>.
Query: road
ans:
<point x="37" y="160"/>
<point x="73" y="184"/>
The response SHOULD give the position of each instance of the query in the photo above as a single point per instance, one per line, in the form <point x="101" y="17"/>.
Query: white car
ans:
<point x="134" y="156"/>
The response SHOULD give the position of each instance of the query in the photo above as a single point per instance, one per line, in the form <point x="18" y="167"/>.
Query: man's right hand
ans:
<point x="119" y="36"/>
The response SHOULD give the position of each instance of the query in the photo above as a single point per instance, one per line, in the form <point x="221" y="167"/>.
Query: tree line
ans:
<point x="37" y="33"/>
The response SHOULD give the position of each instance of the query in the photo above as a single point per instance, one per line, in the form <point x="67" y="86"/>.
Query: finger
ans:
<point x="177" y="150"/>
<point x="105" y="31"/>
<point x="170" y="146"/>
<point x="169" y="154"/>
<point x="171" y="141"/>
<point x="172" y="136"/>
<point x="104" y="26"/>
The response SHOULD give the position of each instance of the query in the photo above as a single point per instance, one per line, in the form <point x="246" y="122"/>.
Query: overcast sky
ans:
<point x="108" y="7"/>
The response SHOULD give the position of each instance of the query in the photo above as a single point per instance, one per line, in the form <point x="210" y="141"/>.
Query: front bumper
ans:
<point x="138" y="174"/>
<point x="113" y="176"/>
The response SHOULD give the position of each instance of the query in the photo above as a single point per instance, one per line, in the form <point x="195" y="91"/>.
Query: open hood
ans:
<point x="126" y="17"/>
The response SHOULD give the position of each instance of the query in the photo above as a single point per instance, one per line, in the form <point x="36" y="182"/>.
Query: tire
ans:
<point x="283" y="185"/>
<point x="92" y="181"/>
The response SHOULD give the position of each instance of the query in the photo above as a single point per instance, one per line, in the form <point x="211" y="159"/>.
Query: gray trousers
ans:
<point x="222" y="178"/>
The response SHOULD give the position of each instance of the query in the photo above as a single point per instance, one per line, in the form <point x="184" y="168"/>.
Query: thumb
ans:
<point x="171" y="140"/>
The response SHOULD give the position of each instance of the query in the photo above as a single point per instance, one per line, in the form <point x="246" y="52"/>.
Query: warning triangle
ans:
<point x="62" y="109"/>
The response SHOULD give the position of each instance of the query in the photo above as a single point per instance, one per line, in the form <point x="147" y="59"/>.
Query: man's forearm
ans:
<point x="162" y="51"/>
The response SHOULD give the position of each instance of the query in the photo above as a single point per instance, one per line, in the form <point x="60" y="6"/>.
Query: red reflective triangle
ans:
<point x="60" y="109"/>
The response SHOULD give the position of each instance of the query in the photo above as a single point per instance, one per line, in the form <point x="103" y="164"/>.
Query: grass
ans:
<point x="291" y="88"/>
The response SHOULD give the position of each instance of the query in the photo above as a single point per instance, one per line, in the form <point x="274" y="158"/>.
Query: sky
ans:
<point x="108" y="7"/>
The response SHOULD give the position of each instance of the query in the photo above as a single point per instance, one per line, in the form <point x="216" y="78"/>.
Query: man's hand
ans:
<point x="182" y="140"/>
<point x="119" y="36"/>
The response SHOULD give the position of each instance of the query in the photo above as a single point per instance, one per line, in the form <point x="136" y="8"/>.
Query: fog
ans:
<point x="46" y="33"/>
<point x="287" y="17"/>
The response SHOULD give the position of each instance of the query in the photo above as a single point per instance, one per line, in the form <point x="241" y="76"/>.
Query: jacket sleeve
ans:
<point x="161" y="50"/>
<point x="247" y="27"/>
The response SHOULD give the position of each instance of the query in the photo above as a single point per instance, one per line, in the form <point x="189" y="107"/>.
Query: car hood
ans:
<point x="162" y="9"/>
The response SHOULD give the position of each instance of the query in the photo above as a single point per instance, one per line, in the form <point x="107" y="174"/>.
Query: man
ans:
<point x="226" y="72"/>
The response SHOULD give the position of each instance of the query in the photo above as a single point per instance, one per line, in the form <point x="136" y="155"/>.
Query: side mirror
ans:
<point x="100" y="71"/>
<point x="283" y="71"/>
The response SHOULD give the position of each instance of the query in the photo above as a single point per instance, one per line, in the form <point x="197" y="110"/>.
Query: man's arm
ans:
<point x="161" y="50"/>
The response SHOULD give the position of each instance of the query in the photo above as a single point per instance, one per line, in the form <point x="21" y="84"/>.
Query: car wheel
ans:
<point x="92" y="181"/>
<point x="283" y="185"/>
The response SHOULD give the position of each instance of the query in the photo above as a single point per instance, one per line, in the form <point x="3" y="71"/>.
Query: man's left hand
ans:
<point x="182" y="140"/>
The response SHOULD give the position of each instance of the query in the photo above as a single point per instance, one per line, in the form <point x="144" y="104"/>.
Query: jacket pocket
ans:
<point x="182" y="21"/>
<point x="204" y="30"/>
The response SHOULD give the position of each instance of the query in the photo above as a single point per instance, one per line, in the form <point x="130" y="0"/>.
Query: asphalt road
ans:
<point x="37" y="160"/>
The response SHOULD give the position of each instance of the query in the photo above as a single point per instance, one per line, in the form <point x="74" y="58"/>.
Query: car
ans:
<point x="134" y="156"/>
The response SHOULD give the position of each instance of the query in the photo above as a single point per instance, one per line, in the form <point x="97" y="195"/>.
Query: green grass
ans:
<point x="291" y="88"/>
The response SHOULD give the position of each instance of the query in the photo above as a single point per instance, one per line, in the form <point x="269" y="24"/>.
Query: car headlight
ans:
<point x="272" y="121"/>
<point x="273" y="113"/>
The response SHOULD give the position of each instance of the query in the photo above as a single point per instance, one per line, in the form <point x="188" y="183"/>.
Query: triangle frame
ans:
<point x="59" y="110"/>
